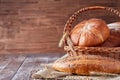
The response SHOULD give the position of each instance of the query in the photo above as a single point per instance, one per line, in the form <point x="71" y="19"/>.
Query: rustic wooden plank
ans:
<point x="37" y="22"/>
<point x="4" y="61"/>
<point x="14" y="62"/>
<point x="23" y="72"/>
<point x="19" y="1"/>
<point x="32" y="64"/>
<point x="31" y="46"/>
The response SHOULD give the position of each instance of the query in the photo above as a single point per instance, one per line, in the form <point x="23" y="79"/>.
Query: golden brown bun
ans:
<point x="84" y="64"/>
<point x="89" y="33"/>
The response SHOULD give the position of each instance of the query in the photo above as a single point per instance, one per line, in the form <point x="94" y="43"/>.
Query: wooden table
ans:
<point x="21" y="66"/>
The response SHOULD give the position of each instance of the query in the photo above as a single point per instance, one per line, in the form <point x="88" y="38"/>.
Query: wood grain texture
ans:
<point x="21" y="67"/>
<point x="36" y="26"/>
<point x="10" y="68"/>
<point x="25" y="70"/>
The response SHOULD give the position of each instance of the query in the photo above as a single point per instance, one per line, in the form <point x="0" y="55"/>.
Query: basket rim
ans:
<point x="76" y="14"/>
<point x="65" y="40"/>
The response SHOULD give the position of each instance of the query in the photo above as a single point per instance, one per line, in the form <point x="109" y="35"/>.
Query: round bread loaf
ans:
<point x="114" y="38"/>
<point x="90" y="32"/>
<point x="84" y="64"/>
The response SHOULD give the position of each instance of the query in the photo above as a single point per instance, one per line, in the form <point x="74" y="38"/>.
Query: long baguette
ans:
<point x="84" y="64"/>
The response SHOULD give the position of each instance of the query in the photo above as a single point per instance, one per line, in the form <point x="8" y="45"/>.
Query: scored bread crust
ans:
<point x="91" y="32"/>
<point x="84" y="64"/>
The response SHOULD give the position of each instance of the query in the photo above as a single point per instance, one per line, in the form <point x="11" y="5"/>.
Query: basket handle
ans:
<point x="69" y="22"/>
<point x="76" y="14"/>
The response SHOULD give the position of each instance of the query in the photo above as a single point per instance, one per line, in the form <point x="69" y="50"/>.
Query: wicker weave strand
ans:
<point x="76" y="14"/>
<point x="71" y="50"/>
<point x="103" y="51"/>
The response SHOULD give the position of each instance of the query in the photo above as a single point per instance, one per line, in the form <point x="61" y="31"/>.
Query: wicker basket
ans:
<point x="76" y="50"/>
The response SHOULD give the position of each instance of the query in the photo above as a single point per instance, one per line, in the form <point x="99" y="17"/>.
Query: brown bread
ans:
<point x="90" y="32"/>
<point x="84" y="64"/>
<point x="114" y="38"/>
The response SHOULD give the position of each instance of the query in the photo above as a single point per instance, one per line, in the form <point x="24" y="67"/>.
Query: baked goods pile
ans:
<point x="93" y="33"/>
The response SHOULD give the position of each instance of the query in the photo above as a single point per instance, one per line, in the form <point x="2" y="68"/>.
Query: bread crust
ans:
<point x="114" y="38"/>
<point x="90" y="32"/>
<point x="84" y="64"/>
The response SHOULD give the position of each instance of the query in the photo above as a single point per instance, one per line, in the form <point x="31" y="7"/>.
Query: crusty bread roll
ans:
<point x="85" y="64"/>
<point x="90" y="33"/>
<point x="114" y="38"/>
<point x="112" y="41"/>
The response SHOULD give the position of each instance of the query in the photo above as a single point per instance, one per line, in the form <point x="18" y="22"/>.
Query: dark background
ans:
<point x="35" y="26"/>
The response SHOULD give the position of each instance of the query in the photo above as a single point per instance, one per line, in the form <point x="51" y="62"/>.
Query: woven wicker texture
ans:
<point x="76" y="50"/>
